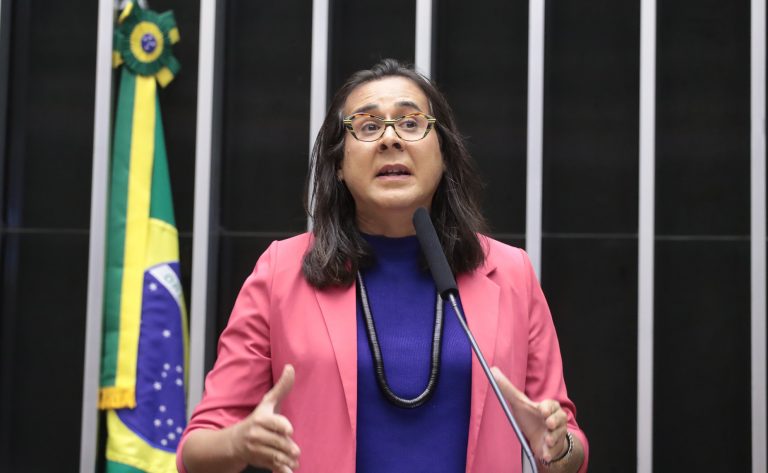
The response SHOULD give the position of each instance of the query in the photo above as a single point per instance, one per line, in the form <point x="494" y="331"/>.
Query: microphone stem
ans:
<point x="494" y="385"/>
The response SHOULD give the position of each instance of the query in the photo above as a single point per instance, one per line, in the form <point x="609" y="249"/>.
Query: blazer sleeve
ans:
<point x="544" y="375"/>
<point x="242" y="373"/>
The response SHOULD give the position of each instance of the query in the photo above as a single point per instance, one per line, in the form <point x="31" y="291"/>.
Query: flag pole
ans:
<point x="99" y="179"/>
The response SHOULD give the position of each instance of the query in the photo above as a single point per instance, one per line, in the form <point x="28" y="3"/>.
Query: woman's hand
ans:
<point x="263" y="439"/>
<point x="543" y="423"/>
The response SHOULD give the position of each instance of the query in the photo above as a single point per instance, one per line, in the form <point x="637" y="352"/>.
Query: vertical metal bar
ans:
<point x="99" y="189"/>
<point x="205" y="148"/>
<point x="646" y="236"/>
<point x="424" y="37"/>
<point x="319" y="79"/>
<point x="5" y="46"/>
<point x="6" y="331"/>
<point x="758" y="238"/>
<point x="536" y="12"/>
<point x="6" y="323"/>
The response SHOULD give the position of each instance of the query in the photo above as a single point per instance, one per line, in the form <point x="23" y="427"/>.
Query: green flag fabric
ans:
<point x="144" y="356"/>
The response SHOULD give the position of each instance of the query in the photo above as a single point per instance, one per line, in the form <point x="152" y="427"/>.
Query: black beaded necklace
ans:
<point x="378" y="361"/>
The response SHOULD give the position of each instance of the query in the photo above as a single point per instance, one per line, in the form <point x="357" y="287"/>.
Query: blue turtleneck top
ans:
<point x="432" y="437"/>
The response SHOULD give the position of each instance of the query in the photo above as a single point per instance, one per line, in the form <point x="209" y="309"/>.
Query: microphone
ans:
<point x="447" y="288"/>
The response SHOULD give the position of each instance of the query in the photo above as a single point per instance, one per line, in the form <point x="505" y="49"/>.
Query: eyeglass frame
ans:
<point x="389" y="122"/>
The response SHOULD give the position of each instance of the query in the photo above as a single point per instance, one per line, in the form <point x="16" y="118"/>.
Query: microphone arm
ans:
<point x="494" y="384"/>
<point x="446" y="286"/>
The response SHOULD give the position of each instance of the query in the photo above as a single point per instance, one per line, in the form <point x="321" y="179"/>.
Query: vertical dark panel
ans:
<point x="363" y="33"/>
<point x="266" y="115"/>
<point x="702" y="118"/>
<point x="591" y="284"/>
<point x="50" y="115"/>
<point x="44" y="385"/>
<point x="44" y="240"/>
<point x="702" y="307"/>
<point x="589" y="215"/>
<point x="591" y="114"/>
<point x="265" y="135"/>
<point x="483" y="72"/>
<point x="701" y="356"/>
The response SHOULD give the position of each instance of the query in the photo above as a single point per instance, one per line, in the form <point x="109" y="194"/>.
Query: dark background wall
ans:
<point x="702" y="234"/>
<point x="480" y="56"/>
<point x="44" y="232"/>
<point x="590" y="214"/>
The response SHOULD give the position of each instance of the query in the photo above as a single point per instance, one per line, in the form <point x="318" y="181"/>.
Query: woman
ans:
<point x="371" y="375"/>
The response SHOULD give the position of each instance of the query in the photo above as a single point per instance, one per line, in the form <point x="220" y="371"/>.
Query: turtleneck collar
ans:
<point x="394" y="249"/>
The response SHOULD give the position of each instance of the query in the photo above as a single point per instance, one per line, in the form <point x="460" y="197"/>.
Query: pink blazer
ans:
<point x="279" y="318"/>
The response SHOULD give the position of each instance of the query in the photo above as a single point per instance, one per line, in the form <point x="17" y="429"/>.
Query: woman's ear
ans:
<point x="340" y="175"/>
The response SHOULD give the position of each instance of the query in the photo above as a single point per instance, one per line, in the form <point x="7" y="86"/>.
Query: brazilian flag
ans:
<point x="145" y="342"/>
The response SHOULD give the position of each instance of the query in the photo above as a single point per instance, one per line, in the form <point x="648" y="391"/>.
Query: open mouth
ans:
<point x="393" y="170"/>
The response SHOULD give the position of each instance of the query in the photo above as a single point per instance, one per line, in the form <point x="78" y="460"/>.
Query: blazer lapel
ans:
<point x="480" y="301"/>
<point x="338" y="308"/>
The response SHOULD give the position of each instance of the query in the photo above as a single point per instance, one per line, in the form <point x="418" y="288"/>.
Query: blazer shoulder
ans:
<point x="288" y="254"/>
<point x="299" y="243"/>
<point x="503" y="256"/>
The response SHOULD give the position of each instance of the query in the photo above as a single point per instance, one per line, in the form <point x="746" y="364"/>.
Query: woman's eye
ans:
<point x="370" y="126"/>
<point x="409" y="123"/>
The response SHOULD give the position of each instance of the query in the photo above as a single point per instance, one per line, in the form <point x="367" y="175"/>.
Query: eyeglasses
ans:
<point x="411" y="127"/>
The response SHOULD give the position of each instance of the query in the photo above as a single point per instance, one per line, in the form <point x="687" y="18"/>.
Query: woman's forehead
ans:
<point x="387" y="94"/>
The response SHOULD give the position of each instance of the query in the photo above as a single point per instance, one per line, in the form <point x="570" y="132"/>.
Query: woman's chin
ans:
<point x="398" y="205"/>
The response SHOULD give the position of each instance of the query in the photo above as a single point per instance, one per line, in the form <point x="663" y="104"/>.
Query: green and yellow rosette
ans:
<point x="142" y="42"/>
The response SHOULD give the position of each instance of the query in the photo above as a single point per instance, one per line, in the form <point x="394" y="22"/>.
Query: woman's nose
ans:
<point x="390" y="138"/>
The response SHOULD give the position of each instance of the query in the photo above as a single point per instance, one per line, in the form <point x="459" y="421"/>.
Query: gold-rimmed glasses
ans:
<point x="411" y="127"/>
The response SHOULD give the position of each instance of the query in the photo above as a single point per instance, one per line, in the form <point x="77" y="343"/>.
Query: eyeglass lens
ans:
<point x="409" y="127"/>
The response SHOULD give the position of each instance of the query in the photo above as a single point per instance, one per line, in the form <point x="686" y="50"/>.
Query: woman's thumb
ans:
<point x="281" y="388"/>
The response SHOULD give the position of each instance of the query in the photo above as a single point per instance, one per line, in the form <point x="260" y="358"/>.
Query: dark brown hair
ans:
<point x="338" y="249"/>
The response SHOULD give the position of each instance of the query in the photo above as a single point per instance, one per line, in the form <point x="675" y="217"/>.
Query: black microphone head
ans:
<point x="433" y="251"/>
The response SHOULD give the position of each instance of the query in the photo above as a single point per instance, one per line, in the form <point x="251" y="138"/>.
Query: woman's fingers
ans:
<point x="544" y="424"/>
<point x="273" y="459"/>
<point x="548" y="407"/>
<point x="555" y="444"/>
<point x="281" y="443"/>
<point x="266" y="449"/>
<point x="554" y="439"/>
<point x="556" y="423"/>
<point x="274" y="423"/>
<point x="268" y="442"/>
<point x="554" y="416"/>
<point x="557" y="420"/>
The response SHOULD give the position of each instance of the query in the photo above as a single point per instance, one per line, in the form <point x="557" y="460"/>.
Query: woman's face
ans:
<point x="391" y="177"/>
